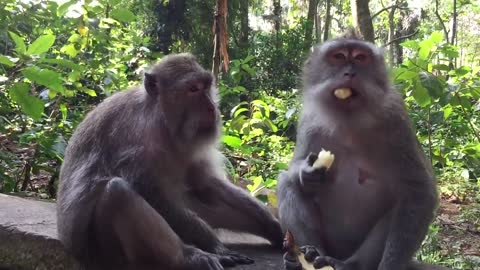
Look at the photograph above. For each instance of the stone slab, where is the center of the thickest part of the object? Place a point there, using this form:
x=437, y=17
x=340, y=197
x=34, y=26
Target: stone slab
x=28, y=239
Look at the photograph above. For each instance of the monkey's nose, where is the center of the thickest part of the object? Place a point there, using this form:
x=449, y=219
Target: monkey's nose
x=349, y=74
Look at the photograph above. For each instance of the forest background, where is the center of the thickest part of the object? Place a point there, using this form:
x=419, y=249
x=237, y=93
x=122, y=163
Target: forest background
x=58, y=59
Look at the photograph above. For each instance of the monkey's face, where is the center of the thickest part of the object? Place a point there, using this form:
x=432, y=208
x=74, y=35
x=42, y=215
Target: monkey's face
x=345, y=78
x=187, y=99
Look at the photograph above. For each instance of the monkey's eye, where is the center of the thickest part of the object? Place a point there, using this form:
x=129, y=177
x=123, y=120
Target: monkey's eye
x=339, y=56
x=194, y=89
x=361, y=57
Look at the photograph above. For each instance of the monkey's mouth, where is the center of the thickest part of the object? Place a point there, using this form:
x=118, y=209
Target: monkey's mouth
x=344, y=93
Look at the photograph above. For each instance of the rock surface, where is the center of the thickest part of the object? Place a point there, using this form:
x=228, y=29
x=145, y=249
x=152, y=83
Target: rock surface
x=28, y=240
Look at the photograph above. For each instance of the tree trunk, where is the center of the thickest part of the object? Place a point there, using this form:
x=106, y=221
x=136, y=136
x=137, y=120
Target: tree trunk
x=454, y=23
x=328, y=19
x=362, y=19
x=244, y=29
x=312, y=12
x=391, y=35
x=221, y=37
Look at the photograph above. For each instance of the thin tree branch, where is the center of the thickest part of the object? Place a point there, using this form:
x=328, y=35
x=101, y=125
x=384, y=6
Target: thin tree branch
x=400, y=38
x=399, y=6
x=445, y=31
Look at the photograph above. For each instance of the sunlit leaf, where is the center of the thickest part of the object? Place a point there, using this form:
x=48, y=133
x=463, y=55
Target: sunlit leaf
x=89, y=92
x=46, y=77
x=69, y=50
x=32, y=106
x=411, y=44
x=41, y=44
x=406, y=75
x=436, y=37
x=447, y=111
x=63, y=109
x=232, y=141
x=20, y=46
x=425, y=49
x=6, y=61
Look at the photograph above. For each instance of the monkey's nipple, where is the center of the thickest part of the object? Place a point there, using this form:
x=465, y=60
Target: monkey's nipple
x=343, y=93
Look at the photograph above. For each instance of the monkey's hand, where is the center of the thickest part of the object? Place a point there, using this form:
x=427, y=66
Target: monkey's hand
x=309, y=258
x=310, y=175
x=230, y=258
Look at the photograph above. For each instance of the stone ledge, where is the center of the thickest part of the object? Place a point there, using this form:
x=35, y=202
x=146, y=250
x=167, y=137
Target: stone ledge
x=28, y=239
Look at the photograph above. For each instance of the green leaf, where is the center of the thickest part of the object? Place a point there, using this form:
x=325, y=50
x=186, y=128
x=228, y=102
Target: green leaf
x=63, y=109
x=63, y=8
x=425, y=48
x=46, y=77
x=462, y=71
x=69, y=50
x=436, y=37
x=421, y=95
x=6, y=61
x=89, y=92
x=406, y=75
x=410, y=44
x=239, y=111
x=248, y=58
x=475, y=92
x=232, y=141
x=41, y=44
x=447, y=111
x=32, y=106
x=270, y=125
x=281, y=165
x=432, y=84
x=441, y=67
x=123, y=15
x=63, y=62
x=248, y=69
x=19, y=43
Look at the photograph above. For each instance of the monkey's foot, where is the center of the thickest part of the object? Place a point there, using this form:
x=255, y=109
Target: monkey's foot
x=198, y=259
x=231, y=258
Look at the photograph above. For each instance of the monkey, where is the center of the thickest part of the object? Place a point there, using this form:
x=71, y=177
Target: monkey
x=142, y=184
x=372, y=208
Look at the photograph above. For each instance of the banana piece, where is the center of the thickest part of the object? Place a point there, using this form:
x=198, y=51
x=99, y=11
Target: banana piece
x=289, y=244
x=343, y=93
x=324, y=159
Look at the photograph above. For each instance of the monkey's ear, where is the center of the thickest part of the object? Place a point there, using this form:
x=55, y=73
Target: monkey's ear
x=150, y=84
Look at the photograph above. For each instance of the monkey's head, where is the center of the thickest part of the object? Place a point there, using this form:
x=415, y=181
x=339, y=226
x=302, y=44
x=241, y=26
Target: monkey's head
x=185, y=95
x=345, y=81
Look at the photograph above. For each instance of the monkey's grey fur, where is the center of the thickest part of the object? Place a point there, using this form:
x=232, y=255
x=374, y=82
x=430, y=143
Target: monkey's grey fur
x=372, y=209
x=142, y=184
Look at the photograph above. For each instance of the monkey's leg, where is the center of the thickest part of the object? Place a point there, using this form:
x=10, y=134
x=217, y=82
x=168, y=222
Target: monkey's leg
x=223, y=205
x=126, y=226
x=296, y=213
x=370, y=252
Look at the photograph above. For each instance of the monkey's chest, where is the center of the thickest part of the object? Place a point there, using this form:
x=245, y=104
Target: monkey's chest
x=351, y=203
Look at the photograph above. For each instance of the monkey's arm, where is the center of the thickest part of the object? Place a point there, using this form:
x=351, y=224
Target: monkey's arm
x=224, y=205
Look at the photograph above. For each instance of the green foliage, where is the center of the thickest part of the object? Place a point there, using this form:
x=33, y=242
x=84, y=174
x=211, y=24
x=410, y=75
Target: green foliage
x=443, y=101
